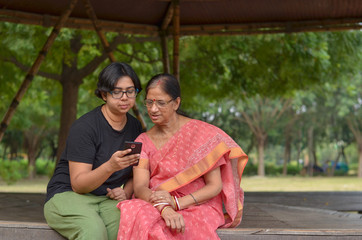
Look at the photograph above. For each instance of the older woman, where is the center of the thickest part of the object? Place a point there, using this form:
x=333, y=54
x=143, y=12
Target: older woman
x=188, y=169
x=93, y=173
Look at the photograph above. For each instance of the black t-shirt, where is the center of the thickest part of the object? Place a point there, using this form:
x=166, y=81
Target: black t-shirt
x=92, y=140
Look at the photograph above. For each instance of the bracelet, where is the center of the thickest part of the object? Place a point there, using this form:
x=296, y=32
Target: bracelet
x=163, y=209
x=174, y=202
x=177, y=204
x=158, y=204
x=194, y=199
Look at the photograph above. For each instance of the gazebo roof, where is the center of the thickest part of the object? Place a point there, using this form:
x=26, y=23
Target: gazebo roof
x=197, y=17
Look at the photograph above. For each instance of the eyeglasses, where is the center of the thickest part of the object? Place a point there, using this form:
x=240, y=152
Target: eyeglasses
x=130, y=93
x=159, y=103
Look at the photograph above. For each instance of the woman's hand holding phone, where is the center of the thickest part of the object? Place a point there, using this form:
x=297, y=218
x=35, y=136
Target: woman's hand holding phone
x=135, y=147
x=123, y=159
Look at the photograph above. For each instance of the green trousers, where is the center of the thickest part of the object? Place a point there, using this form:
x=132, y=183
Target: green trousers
x=83, y=216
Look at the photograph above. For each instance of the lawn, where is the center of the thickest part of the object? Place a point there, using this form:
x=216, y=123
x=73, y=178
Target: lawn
x=295, y=184
x=249, y=184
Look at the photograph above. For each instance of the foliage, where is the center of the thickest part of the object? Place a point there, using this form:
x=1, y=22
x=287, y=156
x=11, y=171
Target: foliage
x=221, y=78
x=12, y=171
x=271, y=169
x=45, y=167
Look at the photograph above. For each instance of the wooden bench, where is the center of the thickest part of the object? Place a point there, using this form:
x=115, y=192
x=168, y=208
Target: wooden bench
x=267, y=215
x=10, y=230
x=30, y=230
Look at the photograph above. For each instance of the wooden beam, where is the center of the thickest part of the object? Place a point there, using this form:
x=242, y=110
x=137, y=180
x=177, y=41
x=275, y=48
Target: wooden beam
x=168, y=17
x=191, y=30
x=35, y=67
x=165, y=54
x=271, y=30
x=92, y=15
x=164, y=40
x=176, y=38
x=271, y=27
x=77, y=23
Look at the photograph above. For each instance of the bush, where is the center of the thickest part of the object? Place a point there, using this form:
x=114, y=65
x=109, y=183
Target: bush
x=44, y=167
x=250, y=170
x=12, y=171
x=293, y=169
x=272, y=169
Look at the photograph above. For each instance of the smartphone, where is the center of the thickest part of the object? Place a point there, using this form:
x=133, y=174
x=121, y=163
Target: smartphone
x=134, y=146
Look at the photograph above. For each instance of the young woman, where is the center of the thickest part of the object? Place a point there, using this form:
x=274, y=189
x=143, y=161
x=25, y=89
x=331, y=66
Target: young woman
x=188, y=169
x=94, y=174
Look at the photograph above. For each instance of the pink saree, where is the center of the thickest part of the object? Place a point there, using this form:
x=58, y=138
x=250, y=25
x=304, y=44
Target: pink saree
x=178, y=167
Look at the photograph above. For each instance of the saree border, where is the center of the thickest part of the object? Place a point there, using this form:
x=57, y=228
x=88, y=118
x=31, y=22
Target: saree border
x=204, y=165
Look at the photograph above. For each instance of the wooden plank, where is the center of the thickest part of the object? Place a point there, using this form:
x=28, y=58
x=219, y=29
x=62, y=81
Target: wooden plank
x=292, y=234
x=338, y=201
x=26, y=230
x=266, y=216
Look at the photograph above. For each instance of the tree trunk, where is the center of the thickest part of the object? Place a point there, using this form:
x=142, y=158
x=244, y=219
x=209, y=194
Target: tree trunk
x=355, y=127
x=71, y=79
x=31, y=161
x=69, y=111
x=310, y=150
x=261, y=144
x=32, y=140
x=299, y=147
x=359, y=146
x=4, y=152
x=287, y=149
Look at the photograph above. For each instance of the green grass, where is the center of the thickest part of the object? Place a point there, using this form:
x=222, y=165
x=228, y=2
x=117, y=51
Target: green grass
x=37, y=185
x=295, y=184
x=249, y=184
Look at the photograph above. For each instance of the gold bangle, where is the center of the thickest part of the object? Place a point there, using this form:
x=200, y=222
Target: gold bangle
x=163, y=209
x=194, y=199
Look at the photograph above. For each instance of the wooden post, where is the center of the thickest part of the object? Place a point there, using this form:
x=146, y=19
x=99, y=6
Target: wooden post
x=93, y=17
x=163, y=36
x=35, y=67
x=165, y=55
x=176, y=38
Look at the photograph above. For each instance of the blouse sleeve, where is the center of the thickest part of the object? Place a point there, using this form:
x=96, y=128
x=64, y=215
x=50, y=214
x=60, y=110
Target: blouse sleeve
x=144, y=159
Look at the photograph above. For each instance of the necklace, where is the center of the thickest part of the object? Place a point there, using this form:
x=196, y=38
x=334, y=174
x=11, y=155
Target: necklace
x=122, y=121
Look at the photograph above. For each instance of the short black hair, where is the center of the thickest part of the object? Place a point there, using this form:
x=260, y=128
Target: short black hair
x=109, y=76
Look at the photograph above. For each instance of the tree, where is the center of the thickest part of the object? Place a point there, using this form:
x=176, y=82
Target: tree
x=75, y=55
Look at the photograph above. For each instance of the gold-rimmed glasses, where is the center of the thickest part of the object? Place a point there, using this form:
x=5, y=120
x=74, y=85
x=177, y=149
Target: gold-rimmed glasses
x=159, y=103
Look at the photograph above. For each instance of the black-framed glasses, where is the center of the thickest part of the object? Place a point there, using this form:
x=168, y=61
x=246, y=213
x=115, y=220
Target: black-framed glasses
x=130, y=93
x=159, y=103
